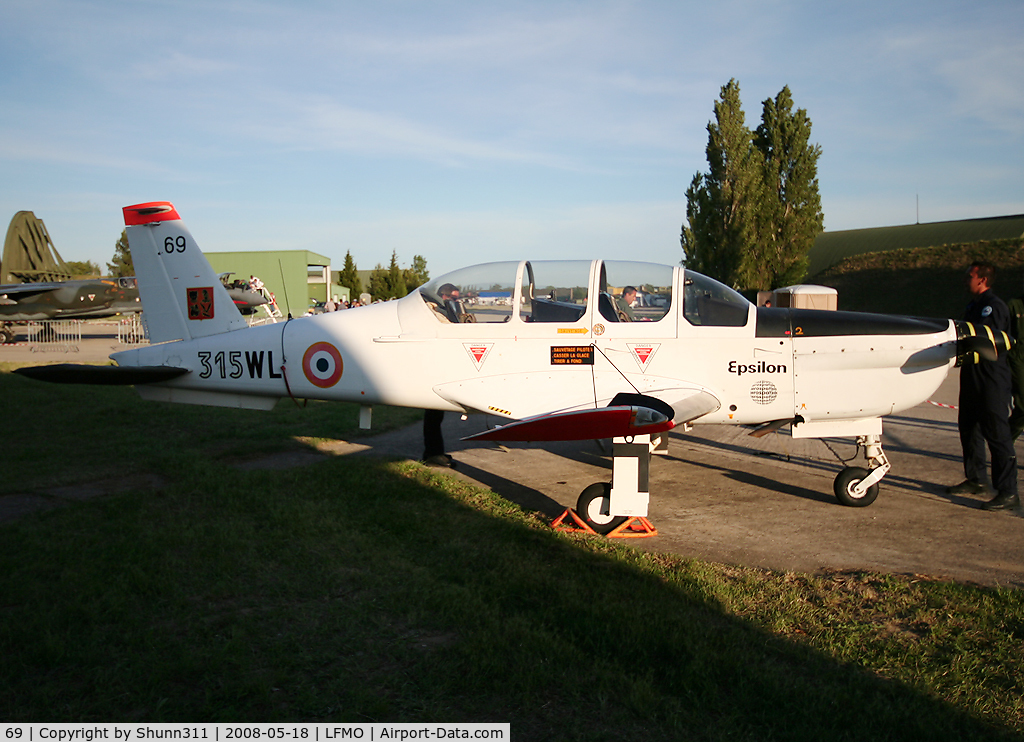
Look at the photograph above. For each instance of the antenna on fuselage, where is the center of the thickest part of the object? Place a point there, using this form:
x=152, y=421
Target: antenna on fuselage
x=280, y=268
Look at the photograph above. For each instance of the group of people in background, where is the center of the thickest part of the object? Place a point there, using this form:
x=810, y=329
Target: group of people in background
x=333, y=304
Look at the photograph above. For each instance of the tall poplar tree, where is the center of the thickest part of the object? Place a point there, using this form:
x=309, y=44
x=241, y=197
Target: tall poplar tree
x=753, y=217
x=721, y=204
x=791, y=211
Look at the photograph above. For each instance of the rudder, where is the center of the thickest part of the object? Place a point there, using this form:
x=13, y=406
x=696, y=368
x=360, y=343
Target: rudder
x=182, y=297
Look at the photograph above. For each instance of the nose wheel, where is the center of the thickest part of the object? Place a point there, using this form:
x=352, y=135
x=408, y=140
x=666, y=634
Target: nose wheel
x=857, y=487
x=849, y=489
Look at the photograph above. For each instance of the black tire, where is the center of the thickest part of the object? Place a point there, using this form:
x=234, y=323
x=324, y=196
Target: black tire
x=6, y=336
x=846, y=480
x=592, y=507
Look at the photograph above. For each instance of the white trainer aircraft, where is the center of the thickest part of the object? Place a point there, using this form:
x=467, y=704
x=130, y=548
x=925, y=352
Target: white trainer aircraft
x=551, y=349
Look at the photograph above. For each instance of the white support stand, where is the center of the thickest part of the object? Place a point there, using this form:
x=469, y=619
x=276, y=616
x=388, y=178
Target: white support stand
x=365, y=416
x=631, y=467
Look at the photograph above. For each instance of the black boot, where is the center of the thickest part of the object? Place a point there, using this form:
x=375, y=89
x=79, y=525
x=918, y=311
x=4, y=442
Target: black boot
x=1003, y=501
x=968, y=487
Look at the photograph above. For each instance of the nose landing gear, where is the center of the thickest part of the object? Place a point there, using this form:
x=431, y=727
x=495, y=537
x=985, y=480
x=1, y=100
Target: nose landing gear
x=856, y=486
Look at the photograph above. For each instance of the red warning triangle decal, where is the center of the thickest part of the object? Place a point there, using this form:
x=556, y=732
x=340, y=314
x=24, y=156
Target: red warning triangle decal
x=478, y=352
x=643, y=352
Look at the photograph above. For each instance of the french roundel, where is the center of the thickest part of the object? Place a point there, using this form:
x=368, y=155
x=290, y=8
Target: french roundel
x=322, y=365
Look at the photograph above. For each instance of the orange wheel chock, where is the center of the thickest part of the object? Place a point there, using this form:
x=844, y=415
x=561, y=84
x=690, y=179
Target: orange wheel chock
x=635, y=527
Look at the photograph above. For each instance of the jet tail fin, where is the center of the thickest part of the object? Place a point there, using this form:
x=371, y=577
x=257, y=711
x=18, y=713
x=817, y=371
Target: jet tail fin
x=182, y=297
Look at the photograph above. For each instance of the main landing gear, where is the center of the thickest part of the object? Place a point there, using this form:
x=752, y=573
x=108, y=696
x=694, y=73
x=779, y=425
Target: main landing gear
x=608, y=508
x=856, y=486
x=594, y=507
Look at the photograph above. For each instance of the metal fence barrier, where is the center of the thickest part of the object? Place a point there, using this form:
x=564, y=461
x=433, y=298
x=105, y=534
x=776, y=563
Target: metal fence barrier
x=55, y=335
x=132, y=331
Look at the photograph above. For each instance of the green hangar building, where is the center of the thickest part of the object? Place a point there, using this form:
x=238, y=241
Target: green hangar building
x=296, y=278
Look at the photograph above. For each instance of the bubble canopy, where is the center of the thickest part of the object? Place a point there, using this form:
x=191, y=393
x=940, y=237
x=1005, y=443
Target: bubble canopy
x=562, y=290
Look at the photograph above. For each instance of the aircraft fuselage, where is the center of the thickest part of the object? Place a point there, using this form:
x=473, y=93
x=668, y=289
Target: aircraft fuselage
x=760, y=364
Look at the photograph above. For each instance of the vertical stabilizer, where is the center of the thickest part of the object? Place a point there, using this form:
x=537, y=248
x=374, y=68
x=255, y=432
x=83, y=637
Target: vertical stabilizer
x=29, y=254
x=182, y=298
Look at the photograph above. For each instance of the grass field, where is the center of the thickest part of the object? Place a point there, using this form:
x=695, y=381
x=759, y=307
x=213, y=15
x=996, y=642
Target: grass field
x=365, y=590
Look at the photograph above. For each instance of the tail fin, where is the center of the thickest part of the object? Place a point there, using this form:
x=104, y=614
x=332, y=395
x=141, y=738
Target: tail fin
x=182, y=298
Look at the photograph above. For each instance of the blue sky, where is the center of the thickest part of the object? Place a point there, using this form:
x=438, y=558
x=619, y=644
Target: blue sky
x=475, y=131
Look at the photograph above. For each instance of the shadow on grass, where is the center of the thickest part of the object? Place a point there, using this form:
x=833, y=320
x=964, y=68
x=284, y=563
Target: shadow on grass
x=356, y=590
x=67, y=434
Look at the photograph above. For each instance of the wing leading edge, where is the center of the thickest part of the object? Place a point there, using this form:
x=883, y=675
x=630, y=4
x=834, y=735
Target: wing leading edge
x=617, y=420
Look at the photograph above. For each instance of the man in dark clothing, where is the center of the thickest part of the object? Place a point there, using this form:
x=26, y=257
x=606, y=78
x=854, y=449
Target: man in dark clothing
x=433, y=440
x=985, y=401
x=1016, y=358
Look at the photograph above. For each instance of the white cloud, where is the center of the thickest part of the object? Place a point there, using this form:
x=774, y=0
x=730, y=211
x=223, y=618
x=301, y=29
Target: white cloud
x=635, y=231
x=317, y=123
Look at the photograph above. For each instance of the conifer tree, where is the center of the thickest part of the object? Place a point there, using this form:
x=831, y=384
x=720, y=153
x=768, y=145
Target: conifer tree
x=121, y=264
x=395, y=279
x=83, y=269
x=417, y=274
x=753, y=217
x=722, y=203
x=349, y=277
x=379, y=283
x=791, y=212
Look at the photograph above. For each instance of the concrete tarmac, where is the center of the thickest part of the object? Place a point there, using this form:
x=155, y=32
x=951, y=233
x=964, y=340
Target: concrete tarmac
x=722, y=496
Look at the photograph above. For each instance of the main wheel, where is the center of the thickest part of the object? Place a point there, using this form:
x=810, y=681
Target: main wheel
x=849, y=478
x=593, y=507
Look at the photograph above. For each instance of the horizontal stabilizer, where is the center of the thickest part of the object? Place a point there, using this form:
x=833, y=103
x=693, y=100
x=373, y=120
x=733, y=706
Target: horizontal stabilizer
x=606, y=422
x=178, y=395
x=80, y=373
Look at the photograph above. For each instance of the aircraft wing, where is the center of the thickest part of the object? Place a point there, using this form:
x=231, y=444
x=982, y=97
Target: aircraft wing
x=638, y=415
x=605, y=422
x=21, y=302
x=12, y=291
x=694, y=406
